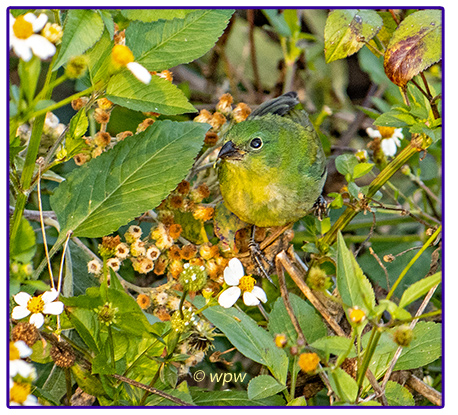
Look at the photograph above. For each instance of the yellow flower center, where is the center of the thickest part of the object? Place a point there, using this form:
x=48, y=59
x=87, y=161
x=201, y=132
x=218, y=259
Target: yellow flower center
x=22, y=28
x=386, y=132
x=19, y=392
x=35, y=305
x=14, y=352
x=308, y=362
x=357, y=315
x=122, y=55
x=246, y=283
x=52, y=32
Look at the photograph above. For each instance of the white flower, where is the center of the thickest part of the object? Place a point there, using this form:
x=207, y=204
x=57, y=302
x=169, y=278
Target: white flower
x=122, y=250
x=391, y=138
x=20, y=394
x=20, y=350
x=234, y=275
x=114, y=264
x=94, y=266
x=123, y=56
x=37, y=306
x=24, y=40
x=162, y=298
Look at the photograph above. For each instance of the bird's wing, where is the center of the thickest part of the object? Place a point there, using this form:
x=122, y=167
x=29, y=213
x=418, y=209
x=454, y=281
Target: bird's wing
x=279, y=106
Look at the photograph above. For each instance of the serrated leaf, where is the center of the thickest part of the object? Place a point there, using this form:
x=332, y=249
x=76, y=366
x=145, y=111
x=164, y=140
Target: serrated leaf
x=354, y=288
x=133, y=177
x=419, y=288
x=159, y=95
x=82, y=28
x=166, y=43
x=398, y=395
x=397, y=117
x=425, y=347
x=263, y=386
x=249, y=339
x=152, y=15
x=415, y=46
x=346, y=32
x=77, y=128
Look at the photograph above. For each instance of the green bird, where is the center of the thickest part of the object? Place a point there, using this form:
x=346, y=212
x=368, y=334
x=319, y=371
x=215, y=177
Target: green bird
x=273, y=166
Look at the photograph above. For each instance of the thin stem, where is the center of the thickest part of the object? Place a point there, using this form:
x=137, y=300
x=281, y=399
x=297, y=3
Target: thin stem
x=43, y=232
x=413, y=260
x=110, y=340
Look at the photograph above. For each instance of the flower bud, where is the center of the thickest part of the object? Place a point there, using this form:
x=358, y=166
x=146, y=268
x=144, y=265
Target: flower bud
x=193, y=278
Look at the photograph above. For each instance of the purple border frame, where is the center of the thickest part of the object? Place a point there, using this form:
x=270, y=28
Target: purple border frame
x=232, y=407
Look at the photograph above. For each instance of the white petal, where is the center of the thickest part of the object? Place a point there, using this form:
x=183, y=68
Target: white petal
x=24, y=350
x=389, y=147
x=39, y=22
x=373, y=133
x=30, y=17
x=22, y=299
x=53, y=308
x=41, y=46
x=37, y=320
x=19, y=312
x=22, y=50
x=398, y=133
x=259, y=293
x=49, y=296
x=250, y=299
x=229, y=297
x=21, y=367
x=233, y=272
x=140, y=72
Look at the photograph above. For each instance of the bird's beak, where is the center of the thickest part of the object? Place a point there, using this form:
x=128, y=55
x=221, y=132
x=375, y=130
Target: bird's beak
x=230, y=151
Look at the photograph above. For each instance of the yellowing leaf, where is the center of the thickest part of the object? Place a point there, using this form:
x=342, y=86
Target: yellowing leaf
x=347, y=31
x=414, y=47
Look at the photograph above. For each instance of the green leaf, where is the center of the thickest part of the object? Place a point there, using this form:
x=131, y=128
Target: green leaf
x=82, y=28
x=346, y=163
x=152, y=15
x=343, y=385
x=278, y=22
x=334, y=345
x=159, y=95
x=397, y=117
x=310, y=321
x=425, y=347
x=107, y=21
x=419, y=288
x=232, y=398
x=346, y=32
x=263, y=386
x=362, y=169
x=300, y=401
x=86, y=324
x=77, y=128
x=398, y=395
x=250, y=339
x=354, y=288
x=29, y=73
x=415, y=46
x=136, y=175
x=166, y=43
x=87, y=381
x=23, y=246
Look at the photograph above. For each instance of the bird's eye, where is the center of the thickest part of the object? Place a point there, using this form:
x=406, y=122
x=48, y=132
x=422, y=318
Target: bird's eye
x=256, y=143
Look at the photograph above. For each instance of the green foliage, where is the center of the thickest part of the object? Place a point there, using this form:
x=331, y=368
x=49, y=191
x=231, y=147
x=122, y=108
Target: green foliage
x=130, y=219
x=130, y=186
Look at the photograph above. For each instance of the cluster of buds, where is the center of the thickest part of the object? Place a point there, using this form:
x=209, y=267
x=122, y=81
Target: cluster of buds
x=20, y=271
x=224, y=111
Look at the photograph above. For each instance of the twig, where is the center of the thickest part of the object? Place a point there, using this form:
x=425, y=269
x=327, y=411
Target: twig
x=298, y=279
x=285, y=296
x=151, y=390
x=371, y=232
x=371, y=251
x=379, y=394
x=425, y=390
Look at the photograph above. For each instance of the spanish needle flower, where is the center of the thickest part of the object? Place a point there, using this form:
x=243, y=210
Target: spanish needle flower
x=240, y=284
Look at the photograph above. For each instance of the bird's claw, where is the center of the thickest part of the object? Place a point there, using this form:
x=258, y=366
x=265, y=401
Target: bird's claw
x=258, y=257
x=320, y=208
